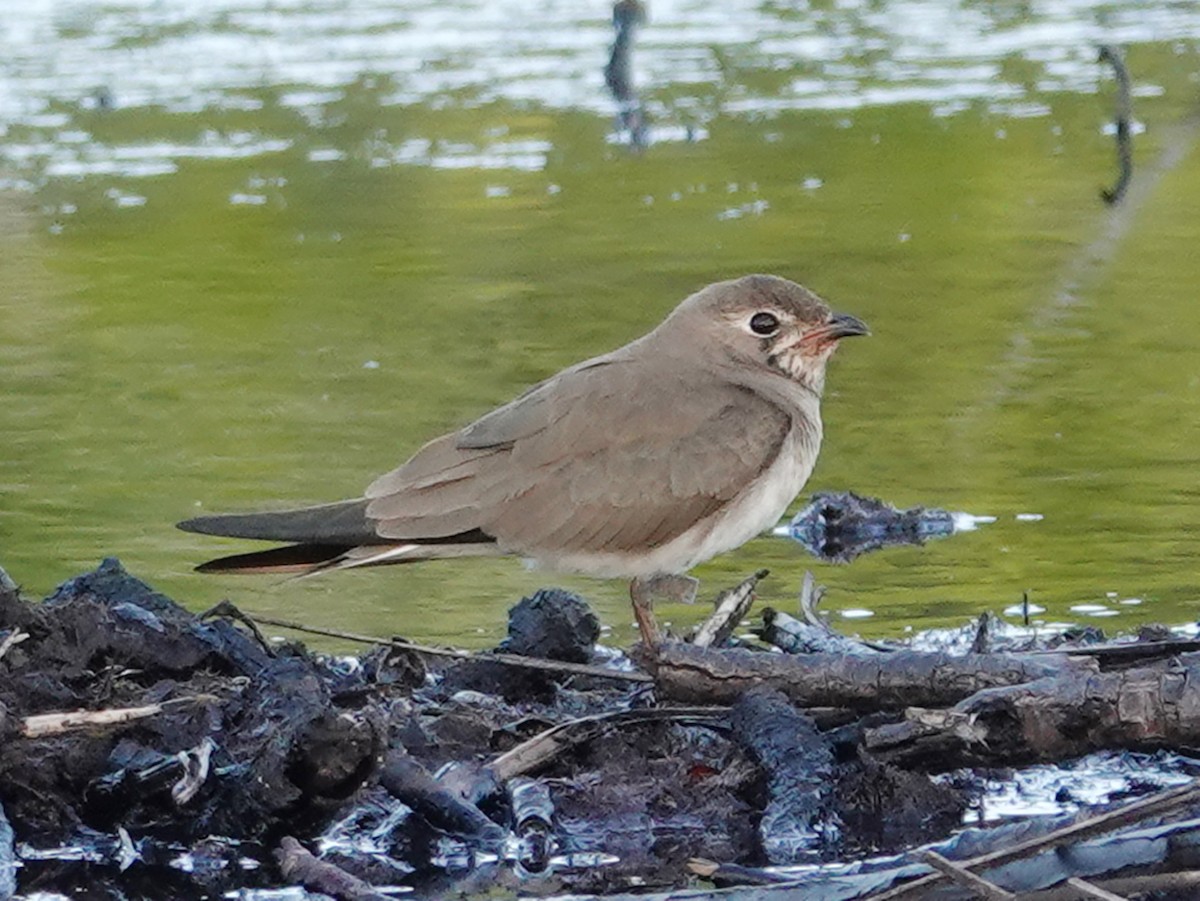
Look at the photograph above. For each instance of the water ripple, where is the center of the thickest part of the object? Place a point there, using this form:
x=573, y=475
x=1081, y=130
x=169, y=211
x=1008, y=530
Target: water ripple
x=59, y=56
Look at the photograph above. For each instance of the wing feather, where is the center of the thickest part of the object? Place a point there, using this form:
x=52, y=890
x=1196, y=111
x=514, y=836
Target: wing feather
x=592, y=461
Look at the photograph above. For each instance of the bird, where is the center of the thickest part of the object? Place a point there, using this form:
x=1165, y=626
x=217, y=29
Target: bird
x=638, y=464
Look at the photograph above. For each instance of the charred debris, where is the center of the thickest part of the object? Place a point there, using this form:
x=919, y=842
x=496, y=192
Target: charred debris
x=149, y=752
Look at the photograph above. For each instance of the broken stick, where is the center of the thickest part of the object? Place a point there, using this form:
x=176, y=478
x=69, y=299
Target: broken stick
x=732, y=605
x=43, y=725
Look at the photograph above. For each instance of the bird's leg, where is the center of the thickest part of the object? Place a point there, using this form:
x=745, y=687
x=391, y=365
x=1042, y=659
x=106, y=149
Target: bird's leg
x=643, y=590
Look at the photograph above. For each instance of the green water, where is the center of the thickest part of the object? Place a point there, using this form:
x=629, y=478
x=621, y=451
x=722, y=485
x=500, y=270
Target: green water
x=191, y=354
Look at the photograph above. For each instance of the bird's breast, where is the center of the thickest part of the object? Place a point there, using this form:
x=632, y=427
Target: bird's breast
x=755, y=509
x=760, y=506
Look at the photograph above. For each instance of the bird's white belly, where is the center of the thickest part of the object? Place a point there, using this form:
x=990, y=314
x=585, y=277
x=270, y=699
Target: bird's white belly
x=751, y=513
x=755, y=510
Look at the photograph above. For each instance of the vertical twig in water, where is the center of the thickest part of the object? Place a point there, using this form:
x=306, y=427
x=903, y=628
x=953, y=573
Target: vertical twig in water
x=1112, y=56
x=618, y=75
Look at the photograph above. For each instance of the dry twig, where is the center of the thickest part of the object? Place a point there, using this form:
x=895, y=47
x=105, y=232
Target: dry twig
x=44, y=725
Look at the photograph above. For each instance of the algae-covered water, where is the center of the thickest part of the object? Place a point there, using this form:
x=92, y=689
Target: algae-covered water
x=254, y=253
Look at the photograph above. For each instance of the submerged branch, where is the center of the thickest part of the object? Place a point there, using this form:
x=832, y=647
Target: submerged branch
x=1123, y=120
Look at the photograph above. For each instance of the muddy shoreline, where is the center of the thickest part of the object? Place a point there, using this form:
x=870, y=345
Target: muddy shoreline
x=147, y=749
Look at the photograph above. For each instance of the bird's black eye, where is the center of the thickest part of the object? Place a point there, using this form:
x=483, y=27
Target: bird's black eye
x=764, y=324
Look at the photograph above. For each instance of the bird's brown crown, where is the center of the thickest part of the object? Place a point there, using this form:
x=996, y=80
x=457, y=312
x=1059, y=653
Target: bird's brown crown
x=730, y=299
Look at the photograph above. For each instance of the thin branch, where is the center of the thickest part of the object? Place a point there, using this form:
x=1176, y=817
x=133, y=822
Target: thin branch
x=551, y=666
x=230, y=610
x=958, y=873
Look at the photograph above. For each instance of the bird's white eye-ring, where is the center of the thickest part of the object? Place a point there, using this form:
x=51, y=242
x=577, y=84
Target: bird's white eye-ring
x=764, y=324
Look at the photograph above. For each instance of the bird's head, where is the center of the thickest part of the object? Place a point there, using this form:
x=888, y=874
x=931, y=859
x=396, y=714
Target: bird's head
x=770, y=323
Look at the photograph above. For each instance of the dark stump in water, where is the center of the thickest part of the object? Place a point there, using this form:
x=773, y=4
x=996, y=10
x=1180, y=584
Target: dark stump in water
x=839, y=526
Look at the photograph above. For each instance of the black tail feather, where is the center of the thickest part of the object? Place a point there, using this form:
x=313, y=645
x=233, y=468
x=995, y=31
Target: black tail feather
x=298, y=558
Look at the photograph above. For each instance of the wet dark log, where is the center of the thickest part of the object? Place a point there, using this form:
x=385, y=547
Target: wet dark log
x=1015, y=863
x=798, y=763
x=1052, y=719
x=297, y=864
x=408, y=781
x=884, y=681
x=136, y=771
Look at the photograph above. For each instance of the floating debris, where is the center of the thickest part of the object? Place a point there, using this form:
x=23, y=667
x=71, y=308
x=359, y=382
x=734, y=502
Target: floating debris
x=839, y=526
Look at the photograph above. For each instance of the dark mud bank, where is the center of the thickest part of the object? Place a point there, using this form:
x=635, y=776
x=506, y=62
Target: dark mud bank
x=150, y=752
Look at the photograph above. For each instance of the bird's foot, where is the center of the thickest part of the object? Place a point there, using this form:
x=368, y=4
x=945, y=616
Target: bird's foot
x=642, y=591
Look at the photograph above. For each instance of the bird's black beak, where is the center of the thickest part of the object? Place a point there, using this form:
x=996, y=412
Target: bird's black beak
x=843, y=325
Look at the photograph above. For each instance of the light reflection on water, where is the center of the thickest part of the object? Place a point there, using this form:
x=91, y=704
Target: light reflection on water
x=308, y=236
x=199, y=57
